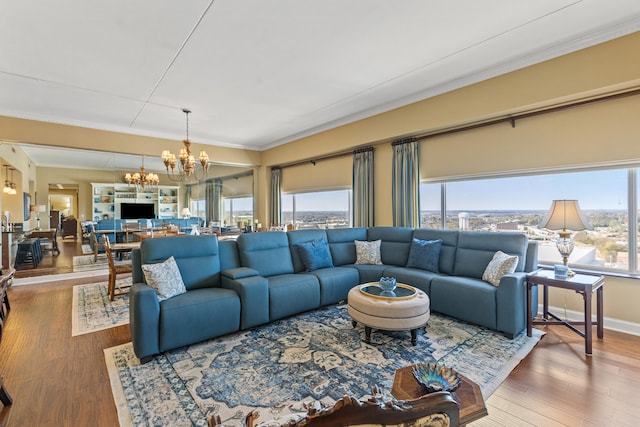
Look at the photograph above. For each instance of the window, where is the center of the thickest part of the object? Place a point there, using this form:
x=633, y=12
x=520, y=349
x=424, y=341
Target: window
x=320, y=209
x=238, y=211
x=519, y=203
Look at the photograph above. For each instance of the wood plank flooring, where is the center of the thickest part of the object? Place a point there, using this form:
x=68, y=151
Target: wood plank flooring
x=57, y=380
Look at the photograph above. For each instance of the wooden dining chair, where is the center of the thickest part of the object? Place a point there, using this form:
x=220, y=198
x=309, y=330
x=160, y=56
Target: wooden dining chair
x=114, y=270
x=96, y=245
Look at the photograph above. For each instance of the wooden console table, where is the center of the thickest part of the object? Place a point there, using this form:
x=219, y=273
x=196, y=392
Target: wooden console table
x=468, y=394
x=584, y=284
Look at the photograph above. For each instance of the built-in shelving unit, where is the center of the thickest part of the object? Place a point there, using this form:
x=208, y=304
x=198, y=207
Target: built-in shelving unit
x=106, y=199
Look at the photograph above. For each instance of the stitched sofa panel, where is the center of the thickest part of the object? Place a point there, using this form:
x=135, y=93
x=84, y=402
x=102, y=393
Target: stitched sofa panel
x=369, y=272
x=335, y=283
x=343, y=250
x=418, y=278
x=197, y=258
x=291, y=294
x=476, y=249
x=447, y=249
x=254, y=295
x=228, y=251
x=396, y=242
x=302, y=236
x=198, y=315
x=465, y=298
x=268, y=252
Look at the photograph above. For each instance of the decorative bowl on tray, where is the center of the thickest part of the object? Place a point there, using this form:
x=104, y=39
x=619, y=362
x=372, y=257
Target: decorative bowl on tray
x=436, y=378
x=388, y=284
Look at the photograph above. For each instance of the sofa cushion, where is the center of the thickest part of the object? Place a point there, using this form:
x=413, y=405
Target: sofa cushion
x=268, y=252
x=465, y=298
x=500, y=265
x=165, y=278
x=424, y=254
x=297, y=237
x=335, y=283
x=315, y=254
x=197, y=258
x=198, y=315
x=396, y=242
x=476, y=249
x=291, y=294
x=447, y=248
x=341, y=243
x=368, y=252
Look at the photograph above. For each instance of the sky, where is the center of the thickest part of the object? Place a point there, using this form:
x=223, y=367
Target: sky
x=602, y=189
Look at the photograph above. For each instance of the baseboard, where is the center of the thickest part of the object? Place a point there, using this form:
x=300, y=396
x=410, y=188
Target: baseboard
x=58, y=277
x=609, y=323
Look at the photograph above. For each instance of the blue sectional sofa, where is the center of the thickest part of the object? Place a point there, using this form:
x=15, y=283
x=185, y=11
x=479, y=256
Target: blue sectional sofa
x=262, y=277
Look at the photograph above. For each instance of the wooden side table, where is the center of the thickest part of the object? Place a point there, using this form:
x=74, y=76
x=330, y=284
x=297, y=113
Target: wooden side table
x=584, y=284
x=468, y=394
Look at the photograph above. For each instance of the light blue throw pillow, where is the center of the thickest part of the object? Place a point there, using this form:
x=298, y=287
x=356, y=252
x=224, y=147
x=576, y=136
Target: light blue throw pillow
x=425, y=254
x=315, y=254
x=165, y=278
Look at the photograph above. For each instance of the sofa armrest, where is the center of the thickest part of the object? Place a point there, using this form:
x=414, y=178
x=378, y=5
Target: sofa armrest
x=512, y=304
x=239, y=273
x=254, y=298
x=144, y=320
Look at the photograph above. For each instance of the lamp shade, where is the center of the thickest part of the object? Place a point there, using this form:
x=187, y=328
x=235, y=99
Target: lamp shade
x=565, y=215
x=186, y=212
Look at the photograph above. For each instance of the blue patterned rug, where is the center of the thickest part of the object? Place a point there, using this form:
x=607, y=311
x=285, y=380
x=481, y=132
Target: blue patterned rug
x=93, y=311
x=283, y=366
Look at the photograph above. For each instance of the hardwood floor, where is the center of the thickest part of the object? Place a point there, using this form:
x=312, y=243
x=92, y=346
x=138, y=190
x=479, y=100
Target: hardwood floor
x=59, y=380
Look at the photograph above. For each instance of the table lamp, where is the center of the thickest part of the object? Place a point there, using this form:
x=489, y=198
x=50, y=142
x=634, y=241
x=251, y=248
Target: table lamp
x=186, y=213
x=565, y=215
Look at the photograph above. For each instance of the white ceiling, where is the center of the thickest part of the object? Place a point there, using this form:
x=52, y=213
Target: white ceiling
x=260, y=73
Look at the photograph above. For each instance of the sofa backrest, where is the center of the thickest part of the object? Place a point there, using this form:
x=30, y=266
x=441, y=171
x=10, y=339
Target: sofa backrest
x=300, y=236
x=198, y=258
x=343, y=250
x=396, y=242
x=476, y=249
x=447, y=249
x=267, y=252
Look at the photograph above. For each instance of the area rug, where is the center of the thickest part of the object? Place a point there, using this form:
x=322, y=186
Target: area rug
x=316, y=356
x=87, y=262
x=93, y=311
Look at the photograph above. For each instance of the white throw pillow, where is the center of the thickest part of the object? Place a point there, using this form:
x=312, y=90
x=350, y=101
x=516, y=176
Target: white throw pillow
x=500, y=265
x=165, y=278
x=368, y=252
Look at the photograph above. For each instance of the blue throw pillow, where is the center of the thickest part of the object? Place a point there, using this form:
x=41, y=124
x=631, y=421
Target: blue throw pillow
x=315, y=254
x=424, y=254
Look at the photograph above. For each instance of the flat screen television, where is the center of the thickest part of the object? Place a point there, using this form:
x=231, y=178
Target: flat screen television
x=137, y=210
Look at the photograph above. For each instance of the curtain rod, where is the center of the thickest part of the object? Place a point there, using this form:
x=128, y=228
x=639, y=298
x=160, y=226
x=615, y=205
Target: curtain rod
x=512, y=118
x=471, y=126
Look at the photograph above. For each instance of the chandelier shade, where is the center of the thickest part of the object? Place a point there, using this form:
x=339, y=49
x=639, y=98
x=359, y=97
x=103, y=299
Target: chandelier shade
x=185, y=167
x=142, y=179
x=9, y=185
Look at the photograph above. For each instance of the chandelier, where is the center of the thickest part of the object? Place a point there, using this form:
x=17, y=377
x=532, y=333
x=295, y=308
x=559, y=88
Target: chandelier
x=187, y=167
x=142, y=179
x=9, y=185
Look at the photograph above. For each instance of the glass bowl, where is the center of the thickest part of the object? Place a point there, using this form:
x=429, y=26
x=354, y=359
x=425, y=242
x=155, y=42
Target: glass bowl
x=436, y=378
x=388, y=284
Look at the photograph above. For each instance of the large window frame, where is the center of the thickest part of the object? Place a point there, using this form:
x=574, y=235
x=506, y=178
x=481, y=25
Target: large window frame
x=436, y=186
x=293, y=204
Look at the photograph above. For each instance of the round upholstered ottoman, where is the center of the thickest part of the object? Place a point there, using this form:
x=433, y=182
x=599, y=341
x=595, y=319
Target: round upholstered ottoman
x=405, y=309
